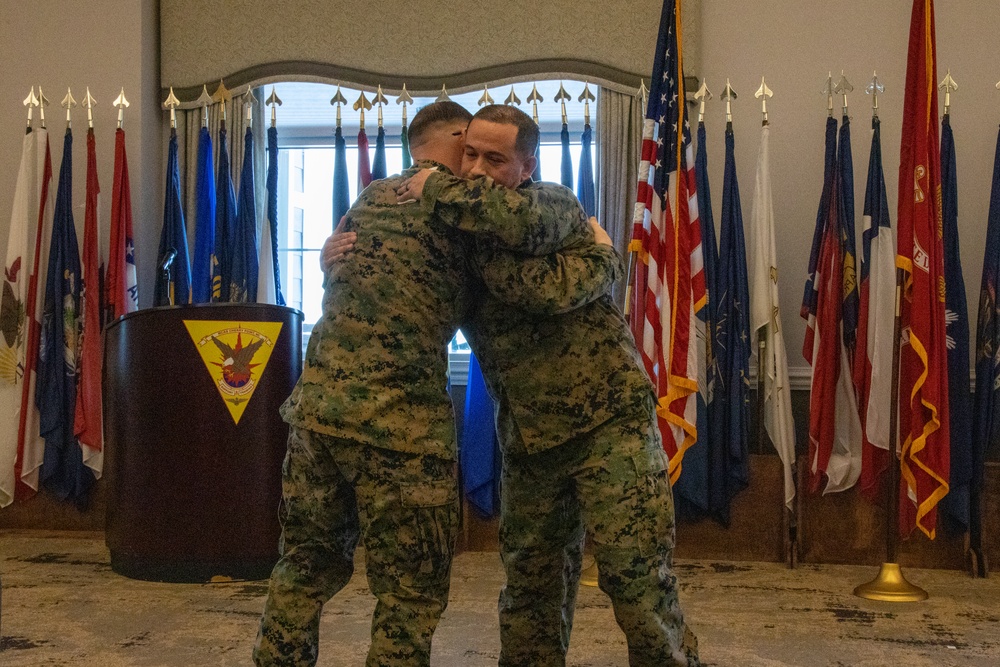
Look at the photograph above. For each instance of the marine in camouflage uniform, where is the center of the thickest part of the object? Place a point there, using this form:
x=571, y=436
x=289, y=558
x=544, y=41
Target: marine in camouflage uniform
x=577, y=424
x=371, y=450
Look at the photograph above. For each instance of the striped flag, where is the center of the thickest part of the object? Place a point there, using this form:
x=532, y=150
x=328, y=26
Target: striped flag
x=834, y=422
x=122, y=289
x=877, y=313
x=845, y=183
x=956, y=503
x=765, y=321
x=269, y=282
x=16, y=312
x=670, y=278
x=205, y=264
x=88, y=424
x=923, y=356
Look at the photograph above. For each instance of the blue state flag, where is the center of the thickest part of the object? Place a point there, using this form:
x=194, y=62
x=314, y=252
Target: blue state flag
x=566, y=176
x=986, y=412
x=810, y=296
x=378, y=164
x=585, y=181
x=225, y=222
x=243, y=249
x=956, y=503
x=63, y=472
x=404, y=140
x=204, y=263
x=846, y=193
x=478, y=446
x=341, y=187
x=173, y=269
x=269, y=287
x=691, y=490
x=730, y=427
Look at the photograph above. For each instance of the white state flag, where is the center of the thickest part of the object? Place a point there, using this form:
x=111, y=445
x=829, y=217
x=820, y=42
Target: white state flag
x=266, y=292
x=765, y=322
x=13, y=332
x=881, y=323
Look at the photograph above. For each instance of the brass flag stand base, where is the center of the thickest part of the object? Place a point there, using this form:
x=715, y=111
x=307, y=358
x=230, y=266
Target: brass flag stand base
x=890, y=586
x=589, y=575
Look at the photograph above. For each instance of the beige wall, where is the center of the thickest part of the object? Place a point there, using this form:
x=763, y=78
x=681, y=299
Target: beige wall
x=795, y=44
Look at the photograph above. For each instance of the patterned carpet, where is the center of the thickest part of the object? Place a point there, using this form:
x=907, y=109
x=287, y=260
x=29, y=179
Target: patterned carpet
x=62, y=605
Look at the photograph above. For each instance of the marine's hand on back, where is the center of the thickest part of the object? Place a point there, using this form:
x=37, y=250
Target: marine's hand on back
x=600, y=236
x=337, y=246
x=413, y=188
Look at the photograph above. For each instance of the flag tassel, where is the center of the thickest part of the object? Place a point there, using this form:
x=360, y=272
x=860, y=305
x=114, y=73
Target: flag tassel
x=890, y=585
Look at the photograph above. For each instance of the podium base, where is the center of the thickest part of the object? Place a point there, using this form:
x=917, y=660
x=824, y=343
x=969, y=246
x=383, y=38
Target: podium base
x=190, y=572
x=890, y=586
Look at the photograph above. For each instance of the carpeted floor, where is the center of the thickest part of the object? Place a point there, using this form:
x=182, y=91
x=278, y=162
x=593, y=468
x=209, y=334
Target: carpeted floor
x=62, y=605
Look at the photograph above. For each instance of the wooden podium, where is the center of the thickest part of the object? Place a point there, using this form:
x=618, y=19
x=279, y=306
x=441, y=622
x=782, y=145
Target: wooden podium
x=194, y=441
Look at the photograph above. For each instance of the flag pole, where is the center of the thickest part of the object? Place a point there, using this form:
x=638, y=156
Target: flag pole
x=630, y=273
x=890, y=585
x=788, y=522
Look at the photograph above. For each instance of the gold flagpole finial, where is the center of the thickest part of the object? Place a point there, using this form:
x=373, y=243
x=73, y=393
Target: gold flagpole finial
x=512, y=99
x=204, y=100
x=362, y=104
x=404, y=99
x=561, y=97
x=947, y=85
x=843, y=87
x=762, y=94
x=337, y=100
x=121, y=104
x=31, y=102
x=728, y=94
x=703, y=95
x=42, y=103
x=380, y=100
x=535, y=99
x=586, y=97
x=222, y=96
x=172, y=103
x=486, y=98
x=643, y=95
x=88, y=103
x=248, y=101
x=828, y=91
x=68, y=103
x=875, y=88
x=274, y=102
x=443, y=97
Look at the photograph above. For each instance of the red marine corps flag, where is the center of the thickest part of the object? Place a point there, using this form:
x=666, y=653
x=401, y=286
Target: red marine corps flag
x=666, y=235
x=923, y=355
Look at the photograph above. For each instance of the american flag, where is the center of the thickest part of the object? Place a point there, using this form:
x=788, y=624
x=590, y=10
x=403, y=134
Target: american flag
x=666, y=235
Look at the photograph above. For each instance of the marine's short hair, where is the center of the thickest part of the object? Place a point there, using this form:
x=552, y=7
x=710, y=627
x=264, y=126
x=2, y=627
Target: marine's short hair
x=526, y=142
x=432, y=115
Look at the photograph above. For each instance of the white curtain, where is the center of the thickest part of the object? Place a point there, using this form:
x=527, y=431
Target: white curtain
x=618, y=138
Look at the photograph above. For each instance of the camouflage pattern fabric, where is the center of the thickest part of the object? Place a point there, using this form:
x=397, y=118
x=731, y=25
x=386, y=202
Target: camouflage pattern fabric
x=404, y=507
x=613, y=480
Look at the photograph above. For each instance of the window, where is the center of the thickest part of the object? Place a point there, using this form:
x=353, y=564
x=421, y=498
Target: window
x=306, y=158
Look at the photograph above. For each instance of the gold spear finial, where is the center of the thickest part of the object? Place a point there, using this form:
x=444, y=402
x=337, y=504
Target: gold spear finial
x=380, y=100
x=204, y=100
x=68, y=103
x=702, y=96
x=486, y=98
x=535, y=99
x=843, y=87
x=31, y=102
x=512, y=99
x=948, y=84
x=404, y=99
x=362, y=104
x=728, y=94
x=337, y=100
x=443, y=97
x=875, y=88
x=762, y=94
x=88, y=103
x=274, y=102
x=586, y=97
x=121, y=104
x=221, y=96
x=172, y=103
x=562, y=96
x=42, y=103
